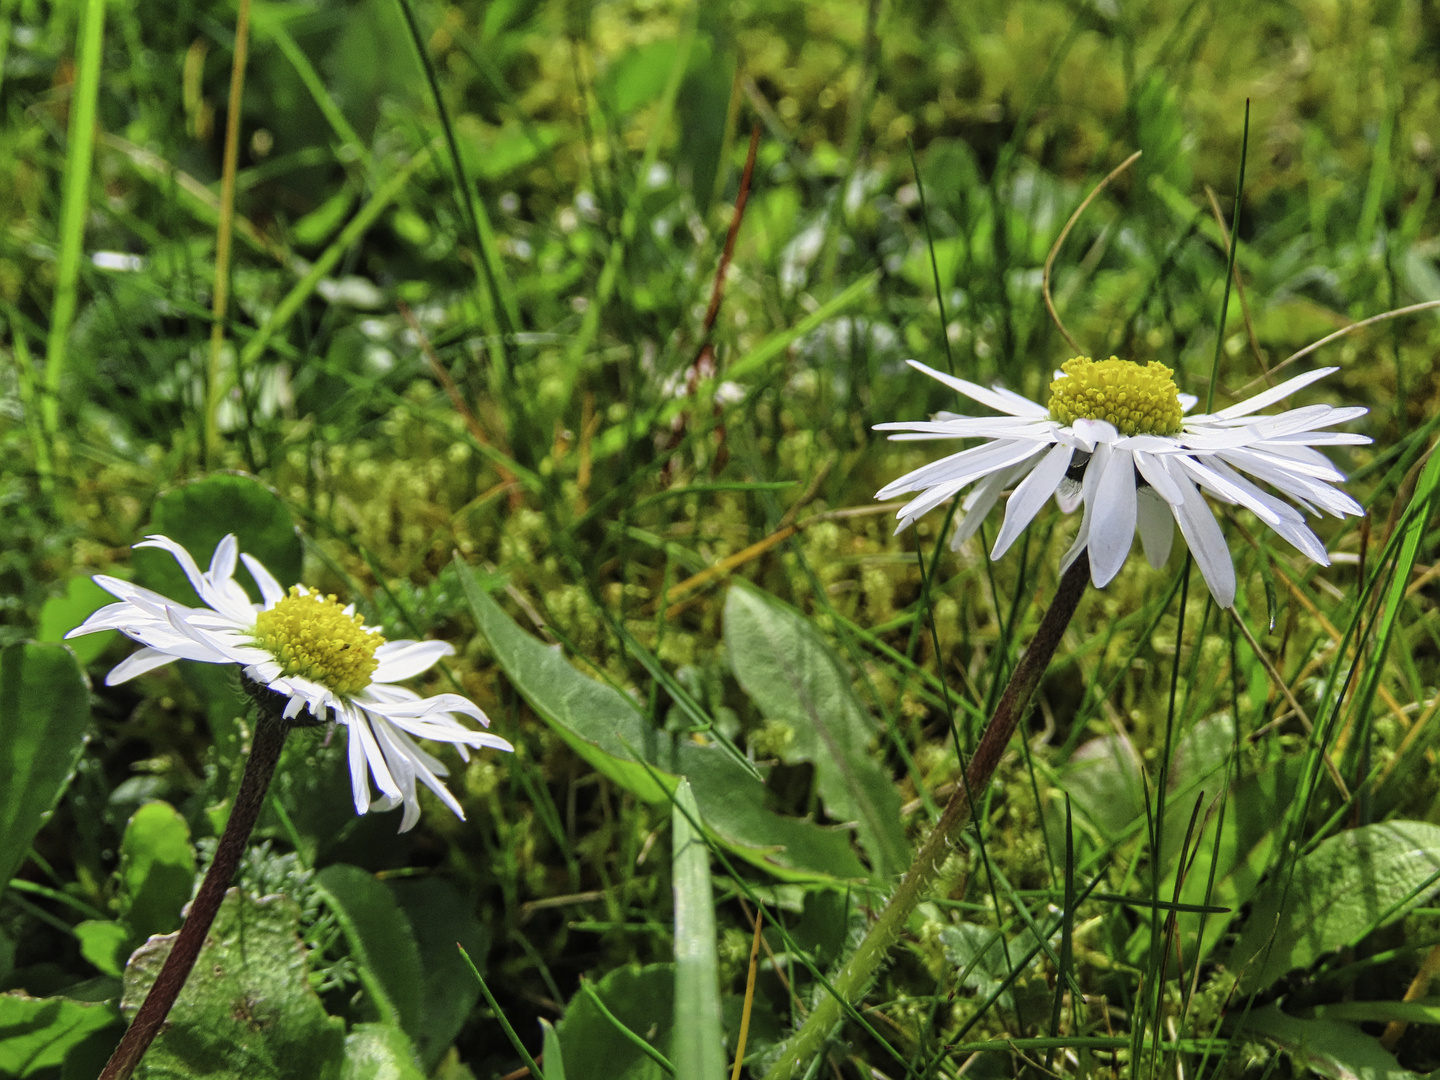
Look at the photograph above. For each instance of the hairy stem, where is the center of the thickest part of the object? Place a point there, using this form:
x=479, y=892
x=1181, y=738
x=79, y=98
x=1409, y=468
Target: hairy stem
x=265, y=750
x=866, y=960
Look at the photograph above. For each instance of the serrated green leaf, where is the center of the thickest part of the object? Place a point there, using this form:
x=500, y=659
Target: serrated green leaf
x=37, y=1033
x=61, y=614
x=1346, y=887
x=381, y=941
x=105, y=943
x=198, y=515
x=640, y=998
x=1329, y=1047
x=699, y=1049
x=248, y=1013
x=379, y=1052
x=157, y=869
x=440, y=917
x=44, y=711
x=789, y=671
x=604, y=727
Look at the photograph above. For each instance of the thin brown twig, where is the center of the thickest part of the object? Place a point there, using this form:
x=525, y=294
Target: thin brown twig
x=1328, y=338
x=718, y=292
x=1239, y=286
x=1059, y=240
x=220, y=298
x=749, y=998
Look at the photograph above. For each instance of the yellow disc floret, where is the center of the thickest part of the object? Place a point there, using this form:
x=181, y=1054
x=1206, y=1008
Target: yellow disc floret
x=313, y=637
x=1137, y=400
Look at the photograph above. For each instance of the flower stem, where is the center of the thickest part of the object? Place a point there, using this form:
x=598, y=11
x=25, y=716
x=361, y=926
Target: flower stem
x=265, y=750
x=863, y=963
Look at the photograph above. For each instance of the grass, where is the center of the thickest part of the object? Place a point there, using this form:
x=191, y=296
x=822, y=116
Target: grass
x=468, y=296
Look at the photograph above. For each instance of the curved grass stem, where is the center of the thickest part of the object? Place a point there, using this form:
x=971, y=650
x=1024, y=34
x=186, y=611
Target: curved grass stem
x=925, y=870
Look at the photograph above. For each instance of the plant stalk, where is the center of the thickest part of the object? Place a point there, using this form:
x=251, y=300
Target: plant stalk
x=270, y=732
x=923, y=872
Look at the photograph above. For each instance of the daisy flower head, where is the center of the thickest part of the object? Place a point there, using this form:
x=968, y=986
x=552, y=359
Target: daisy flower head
x=307, y=659
x=1117, y=439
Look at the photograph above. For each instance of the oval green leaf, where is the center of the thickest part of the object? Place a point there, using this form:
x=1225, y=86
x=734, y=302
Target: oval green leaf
x=44, y=711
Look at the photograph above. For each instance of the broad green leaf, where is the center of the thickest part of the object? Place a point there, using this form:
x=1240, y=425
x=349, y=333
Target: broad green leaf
x=440, y=917
x=105, y=944
x=253, y=1014
x=554, y=1057
x=379, y=1052
x=381, y=941
x=61, y=614
x=44, y=710
x=787, y=669
x=198, y=515
x=638, y=76
x=157, y=869
x=1418, y=1011
x=640, y=998
x=699, y=1049
x=1346, y=887
x=37, y=1033
x=1103, y=780
x=607, y=730
x=1329, y=1047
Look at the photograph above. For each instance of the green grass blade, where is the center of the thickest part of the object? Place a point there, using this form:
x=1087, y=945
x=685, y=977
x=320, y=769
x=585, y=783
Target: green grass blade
x=648, y=1050
x=699, y=1047
x=75, y=202
x=328, y=260
x=504, y=1023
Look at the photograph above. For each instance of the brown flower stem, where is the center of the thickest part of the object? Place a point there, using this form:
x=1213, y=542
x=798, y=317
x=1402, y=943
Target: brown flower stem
x=925, y=870
x=270, y=732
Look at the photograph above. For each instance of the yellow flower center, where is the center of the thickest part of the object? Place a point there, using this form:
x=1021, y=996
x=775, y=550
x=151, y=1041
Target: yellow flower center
x=312, y=637
x=1137, y=400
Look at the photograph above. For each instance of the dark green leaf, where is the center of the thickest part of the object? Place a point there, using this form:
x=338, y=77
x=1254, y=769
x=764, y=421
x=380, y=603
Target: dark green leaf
x=374, y=1051
x=607, y=730
x=61, y=614
x=640, y=998
x=1329, y=1047
x=440, y=917
x=381, y=941
x=44, y=710
x=37, y=1033
x=105, y=944
x=252, y=1014
x=157, y=869
x=699, y=1049
x=198, y=515
x=1347, y=886
x=785, y=666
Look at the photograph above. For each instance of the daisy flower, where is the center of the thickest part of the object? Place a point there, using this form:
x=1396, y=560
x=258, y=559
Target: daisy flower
x=1116, y=438
x=316, y=655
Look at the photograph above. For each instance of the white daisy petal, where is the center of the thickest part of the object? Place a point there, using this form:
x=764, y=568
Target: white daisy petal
x=1269, y=397
x=270, y=591
x=1205, y=540
x=1027, y=499
x=977, y=507
x=406, y=659
x=1012, y=404
x=1130, y=479
x=383, y=719
x=1156, y=525
x=1112, y=528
